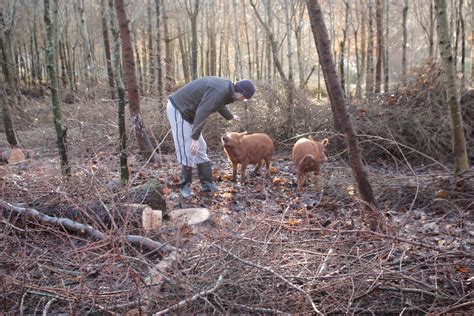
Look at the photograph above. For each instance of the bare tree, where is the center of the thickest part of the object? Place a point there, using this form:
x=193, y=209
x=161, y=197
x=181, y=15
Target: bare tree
x=7, y=69
x=10, y=66
x=342, y=47
x=146, y=149
x=236, y=31
x=380, y=44
x=124, y=171
x=192, y=8
x=51, y=49
x=427, y=23
x=108, y=60
x=159, y=67
x=386, y=55
x=333, y=86
x=404, y=41
x=88, y=58
x=369, y=82
x=472, y=42
x=461, y=162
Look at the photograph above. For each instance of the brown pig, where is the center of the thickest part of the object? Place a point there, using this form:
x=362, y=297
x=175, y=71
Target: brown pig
x=244, y=149
x=308, y=155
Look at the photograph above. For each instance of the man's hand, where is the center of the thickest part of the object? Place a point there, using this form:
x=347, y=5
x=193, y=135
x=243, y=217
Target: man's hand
x=194, y=147
x=236, y=118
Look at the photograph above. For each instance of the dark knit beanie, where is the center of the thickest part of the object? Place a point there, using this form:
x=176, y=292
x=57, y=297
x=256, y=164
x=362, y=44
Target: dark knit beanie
x=245, y=87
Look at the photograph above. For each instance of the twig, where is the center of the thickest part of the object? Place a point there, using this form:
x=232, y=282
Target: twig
x=270, y=311
x=192, y=299
x=455, y=307
x=47, y=306
x=308, y=297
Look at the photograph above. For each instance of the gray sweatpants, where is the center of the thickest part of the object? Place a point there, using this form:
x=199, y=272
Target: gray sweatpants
x=182, y=132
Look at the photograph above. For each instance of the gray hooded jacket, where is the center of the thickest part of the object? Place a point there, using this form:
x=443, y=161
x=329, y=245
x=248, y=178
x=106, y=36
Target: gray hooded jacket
x=202, y=97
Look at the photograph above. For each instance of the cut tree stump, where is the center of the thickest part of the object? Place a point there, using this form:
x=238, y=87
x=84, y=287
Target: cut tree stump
x=191, y=216
x=151, y=219
x=150, y=193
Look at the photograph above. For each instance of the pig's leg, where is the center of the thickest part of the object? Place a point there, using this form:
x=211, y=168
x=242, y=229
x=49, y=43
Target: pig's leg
x=257, y=168
x=267, y=164
x=234, y=171
x=243, y=169
x=299, y=181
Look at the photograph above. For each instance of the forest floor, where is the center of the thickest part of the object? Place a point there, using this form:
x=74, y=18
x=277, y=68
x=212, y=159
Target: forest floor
x=269, y=249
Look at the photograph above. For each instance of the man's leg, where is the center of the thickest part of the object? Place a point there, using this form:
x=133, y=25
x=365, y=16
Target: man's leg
x=204, y=168
x=181, y=131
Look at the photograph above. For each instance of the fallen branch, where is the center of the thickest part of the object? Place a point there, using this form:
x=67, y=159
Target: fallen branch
x=135, y=240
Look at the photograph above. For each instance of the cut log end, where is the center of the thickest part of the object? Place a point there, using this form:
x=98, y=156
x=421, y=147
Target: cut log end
x=191, y=216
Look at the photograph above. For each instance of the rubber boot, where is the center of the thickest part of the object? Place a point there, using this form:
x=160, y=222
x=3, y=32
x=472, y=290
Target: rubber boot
x=186, y=179
x=205, y=176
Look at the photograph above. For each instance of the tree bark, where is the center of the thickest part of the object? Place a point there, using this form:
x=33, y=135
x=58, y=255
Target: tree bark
x=7, y=119
x=124, y=171
x=193, y=9
x=159, y=67
x=146, y=149
x=404, y=42
x=342, y=48
x=472, y=42
x=380, y=45
x=386, y=55
x=363, y=46
x=51, y=45
x=238, y=55
x=108, y=59
x=322, y=42
x=369, y=82
x=10, y=64
x=461, y=162
x=88, y=62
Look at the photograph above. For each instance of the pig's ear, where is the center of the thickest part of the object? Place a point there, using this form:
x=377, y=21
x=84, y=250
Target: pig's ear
x=325, y=142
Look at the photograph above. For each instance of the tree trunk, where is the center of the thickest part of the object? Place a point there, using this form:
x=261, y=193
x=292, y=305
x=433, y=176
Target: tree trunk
x=472, y=42
x=380, y=42
x=193, y=13
x=7, y=120
x=461, y=162
x=211, y=33
x=322, y=42
x=124, y=171
x=150, y=76
x=169, y=69
x=405, y=41
x=291, y=84
x=247, y=38
x=10, y=63
x=342, y=47
x=108, y=60
x=89, y=67
x=369, y=82
x=238, y=56
x=300, y=7
x=386, y=56
x=363, y=34
x=146, y=149
x=159, y=66
x=184, y=57
x=51, y=45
